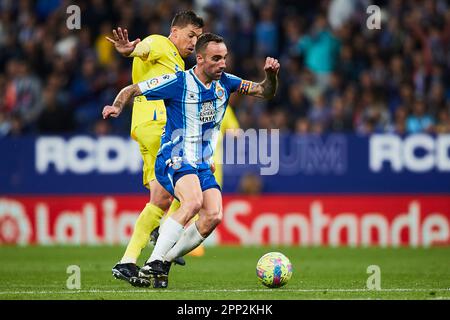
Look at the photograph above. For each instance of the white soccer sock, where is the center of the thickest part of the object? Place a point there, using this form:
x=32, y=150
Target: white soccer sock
x=169, y=234
x=128, y=260
x=189, y=240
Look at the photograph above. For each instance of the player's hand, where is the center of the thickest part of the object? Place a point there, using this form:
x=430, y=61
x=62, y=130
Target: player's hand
x=121, y=42
x=213, y=167
x=272, y=66
x=111, y=111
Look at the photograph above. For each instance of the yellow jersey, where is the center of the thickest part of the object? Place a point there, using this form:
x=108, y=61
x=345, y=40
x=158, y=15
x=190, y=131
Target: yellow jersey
x=229, y=122
x=154, y=56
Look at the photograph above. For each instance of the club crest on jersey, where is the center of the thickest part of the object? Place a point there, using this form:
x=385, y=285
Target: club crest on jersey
x=176, y=163
x=207, y=113
x=220, y=92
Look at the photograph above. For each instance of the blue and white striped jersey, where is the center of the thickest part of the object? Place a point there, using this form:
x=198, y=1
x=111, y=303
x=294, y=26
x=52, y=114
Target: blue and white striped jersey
x=194, y=113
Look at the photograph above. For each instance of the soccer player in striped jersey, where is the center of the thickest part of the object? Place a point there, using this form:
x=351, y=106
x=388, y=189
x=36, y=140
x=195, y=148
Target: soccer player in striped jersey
x=195, y=101
x=154, y=56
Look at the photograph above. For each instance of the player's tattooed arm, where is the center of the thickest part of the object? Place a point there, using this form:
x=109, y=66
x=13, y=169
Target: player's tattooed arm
x=125, y=95
x=268, y=87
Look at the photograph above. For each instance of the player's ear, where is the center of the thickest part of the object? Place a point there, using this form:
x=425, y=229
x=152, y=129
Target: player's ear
x=199, y=57
x=174, y=31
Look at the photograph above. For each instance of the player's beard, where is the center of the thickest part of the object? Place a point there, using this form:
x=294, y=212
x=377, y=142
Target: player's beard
x=216, y=75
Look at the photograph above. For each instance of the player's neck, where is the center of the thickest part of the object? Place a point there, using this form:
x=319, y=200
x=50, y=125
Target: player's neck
x=202, y=77
x=171, y=38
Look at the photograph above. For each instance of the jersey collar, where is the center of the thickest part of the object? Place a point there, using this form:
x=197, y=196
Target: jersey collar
x=174, y=47
x=212, y=85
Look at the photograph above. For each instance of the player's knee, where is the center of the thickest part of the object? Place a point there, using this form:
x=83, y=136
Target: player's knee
x=213, y=217
x=162, y=201
x=216, y=217
x=192, y=206
x=159, y=196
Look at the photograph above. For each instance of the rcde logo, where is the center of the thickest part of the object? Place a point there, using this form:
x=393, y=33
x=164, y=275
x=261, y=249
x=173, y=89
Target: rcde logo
x=83, y=155
x=416, y=153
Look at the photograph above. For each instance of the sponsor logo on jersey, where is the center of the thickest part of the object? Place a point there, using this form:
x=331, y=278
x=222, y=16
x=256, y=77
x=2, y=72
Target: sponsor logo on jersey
x=207, y=113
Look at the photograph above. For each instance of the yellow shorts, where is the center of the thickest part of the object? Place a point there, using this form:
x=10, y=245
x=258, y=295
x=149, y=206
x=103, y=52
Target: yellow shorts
x=148, y=136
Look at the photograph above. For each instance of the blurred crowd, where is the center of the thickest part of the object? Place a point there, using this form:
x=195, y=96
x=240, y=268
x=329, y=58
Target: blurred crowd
x=337, y=74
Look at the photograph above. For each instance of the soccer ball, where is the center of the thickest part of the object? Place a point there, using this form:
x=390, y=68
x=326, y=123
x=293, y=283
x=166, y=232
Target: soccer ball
x=274, y=269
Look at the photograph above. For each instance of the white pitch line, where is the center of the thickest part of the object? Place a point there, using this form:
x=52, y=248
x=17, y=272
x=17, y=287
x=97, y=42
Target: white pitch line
x=221, y=290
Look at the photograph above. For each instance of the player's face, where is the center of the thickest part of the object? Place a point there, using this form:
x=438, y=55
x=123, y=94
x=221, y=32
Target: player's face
x=186, y=38
x=213, y=60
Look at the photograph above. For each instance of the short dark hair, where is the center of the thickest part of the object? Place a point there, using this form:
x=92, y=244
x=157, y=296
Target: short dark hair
x=183, y=18
x=206, y=38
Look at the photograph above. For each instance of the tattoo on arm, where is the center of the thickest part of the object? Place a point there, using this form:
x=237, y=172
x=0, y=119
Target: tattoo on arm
x=118, y=103
x=125, y=95
x=269, y=86
x=265, y=89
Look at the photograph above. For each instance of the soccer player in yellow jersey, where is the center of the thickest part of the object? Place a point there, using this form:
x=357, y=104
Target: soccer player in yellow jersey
x=154, y=56
x=231, y=123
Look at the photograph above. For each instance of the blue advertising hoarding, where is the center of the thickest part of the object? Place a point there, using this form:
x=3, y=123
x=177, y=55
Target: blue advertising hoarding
x=381, y=163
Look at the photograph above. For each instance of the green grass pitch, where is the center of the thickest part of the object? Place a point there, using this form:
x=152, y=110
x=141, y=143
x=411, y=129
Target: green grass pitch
x=229, y=273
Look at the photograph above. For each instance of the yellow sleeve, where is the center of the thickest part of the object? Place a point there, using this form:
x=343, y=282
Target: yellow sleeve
x=147, y=49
